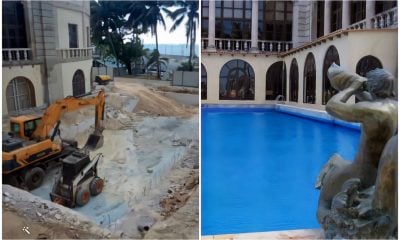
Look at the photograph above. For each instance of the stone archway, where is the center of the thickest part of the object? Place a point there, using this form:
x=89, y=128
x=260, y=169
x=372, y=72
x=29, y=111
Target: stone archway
x=309, y=80
x=331, y=56
x=20, y=94
x=203, y=82
x=276, y=81
x=78, y=83
x=236, y=81
x=294, y=81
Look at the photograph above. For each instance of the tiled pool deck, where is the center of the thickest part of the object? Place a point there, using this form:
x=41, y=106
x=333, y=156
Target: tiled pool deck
x=286, y=234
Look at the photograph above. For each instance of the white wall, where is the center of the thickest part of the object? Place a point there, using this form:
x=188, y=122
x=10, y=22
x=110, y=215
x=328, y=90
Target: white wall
x=65, y=17
x=31, y=72
x=351, y=47
x=67, y=71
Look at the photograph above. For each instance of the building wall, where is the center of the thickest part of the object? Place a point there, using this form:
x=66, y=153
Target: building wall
x=31, y=72
x=67, y=16
x=67, y=71
x=351, y=48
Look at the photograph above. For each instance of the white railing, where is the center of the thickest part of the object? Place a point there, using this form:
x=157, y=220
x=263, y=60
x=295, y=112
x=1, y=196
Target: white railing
x=75, y=53
x=358, y=25
x=16, y=54
x=245, y=45
x=274, y=46
x=387, y=19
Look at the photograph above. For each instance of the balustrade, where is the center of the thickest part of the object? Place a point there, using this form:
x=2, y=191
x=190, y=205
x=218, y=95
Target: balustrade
x=17, y=54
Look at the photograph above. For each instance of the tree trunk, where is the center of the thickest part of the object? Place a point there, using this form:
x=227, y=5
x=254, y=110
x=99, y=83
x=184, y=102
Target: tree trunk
x=158, y=54
x=113, y=49
x=128, y=66
x=190, y=49
x=193, y=43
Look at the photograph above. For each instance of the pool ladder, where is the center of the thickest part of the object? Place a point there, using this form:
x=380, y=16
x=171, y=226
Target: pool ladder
x=280, y=98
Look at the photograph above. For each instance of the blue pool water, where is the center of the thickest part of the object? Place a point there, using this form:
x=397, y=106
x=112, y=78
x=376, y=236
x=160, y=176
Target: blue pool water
x=259, y=169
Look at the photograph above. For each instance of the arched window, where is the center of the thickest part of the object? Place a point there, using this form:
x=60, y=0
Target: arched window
x=236, y=81
x=309, y=80
x=276, y=81
x=331, y=56
x=294, y=81
x=203, y=82
x=20, y=94
x=78, y=83
x=367, y=64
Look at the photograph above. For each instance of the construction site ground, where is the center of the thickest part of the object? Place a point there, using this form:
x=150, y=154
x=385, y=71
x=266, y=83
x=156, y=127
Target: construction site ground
x=150, y=169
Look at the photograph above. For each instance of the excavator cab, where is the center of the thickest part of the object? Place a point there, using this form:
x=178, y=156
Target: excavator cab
x=24, y=126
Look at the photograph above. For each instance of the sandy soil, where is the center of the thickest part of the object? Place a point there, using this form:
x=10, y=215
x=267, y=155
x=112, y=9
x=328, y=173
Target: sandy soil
x=150, y=166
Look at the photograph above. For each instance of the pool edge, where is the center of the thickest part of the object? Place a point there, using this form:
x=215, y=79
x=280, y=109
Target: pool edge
x=314, y=114
x=314, y=233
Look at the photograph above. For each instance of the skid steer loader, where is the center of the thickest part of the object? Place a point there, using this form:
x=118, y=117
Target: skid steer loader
x=78, y=180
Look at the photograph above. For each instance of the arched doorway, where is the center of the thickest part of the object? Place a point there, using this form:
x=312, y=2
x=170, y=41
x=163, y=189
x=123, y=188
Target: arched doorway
x=294, y=81
x=78, y=83
x=309, y=80
x=20, y=94
x=367, y=64
x=276, y=81
x=331, y=56
x=203, y=82
x=236, y=81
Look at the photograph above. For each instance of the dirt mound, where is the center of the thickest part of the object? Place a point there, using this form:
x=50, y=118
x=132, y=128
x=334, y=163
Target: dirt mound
x=42, y=218
x=153, y=102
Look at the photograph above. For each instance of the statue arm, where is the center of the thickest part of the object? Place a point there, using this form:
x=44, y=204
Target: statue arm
x=338, y=107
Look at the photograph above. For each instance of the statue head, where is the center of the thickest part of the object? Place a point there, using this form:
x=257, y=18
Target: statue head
x=380, y=83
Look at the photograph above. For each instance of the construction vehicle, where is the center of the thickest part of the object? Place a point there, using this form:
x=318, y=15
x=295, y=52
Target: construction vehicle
x=102, y=79
x=77, y=181
x=30, y=146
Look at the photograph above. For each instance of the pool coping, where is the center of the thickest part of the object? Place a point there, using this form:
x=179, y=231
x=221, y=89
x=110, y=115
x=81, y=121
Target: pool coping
x=314, y=114
x=283, y=234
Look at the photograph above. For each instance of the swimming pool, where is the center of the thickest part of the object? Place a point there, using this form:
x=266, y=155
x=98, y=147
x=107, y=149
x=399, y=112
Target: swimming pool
x=259, y=168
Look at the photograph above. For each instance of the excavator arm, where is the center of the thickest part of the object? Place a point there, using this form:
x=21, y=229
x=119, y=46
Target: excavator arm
x=54, y=112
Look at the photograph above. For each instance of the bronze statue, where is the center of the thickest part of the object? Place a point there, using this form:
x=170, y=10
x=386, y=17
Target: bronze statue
x=349, y=190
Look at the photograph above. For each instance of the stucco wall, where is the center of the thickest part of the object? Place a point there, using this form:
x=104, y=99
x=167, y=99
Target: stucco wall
x=65, y=17
x=351, y=48
x=31, y=72
x=67, y=71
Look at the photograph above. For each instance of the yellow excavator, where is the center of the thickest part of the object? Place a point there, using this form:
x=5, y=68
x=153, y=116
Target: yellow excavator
x=30, y=146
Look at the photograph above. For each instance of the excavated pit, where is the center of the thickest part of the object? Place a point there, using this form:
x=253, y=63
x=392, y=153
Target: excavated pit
x=150, y=154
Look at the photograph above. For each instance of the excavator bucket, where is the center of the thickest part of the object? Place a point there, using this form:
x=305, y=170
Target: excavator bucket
x=94, y=141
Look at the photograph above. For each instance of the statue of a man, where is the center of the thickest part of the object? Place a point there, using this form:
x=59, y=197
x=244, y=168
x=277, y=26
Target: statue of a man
x=377, y=113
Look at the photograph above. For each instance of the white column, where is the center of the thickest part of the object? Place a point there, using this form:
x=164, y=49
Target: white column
x=254, y=26
x=369, y=13
x=211, y=26
x=345, y=14
x=327, y=17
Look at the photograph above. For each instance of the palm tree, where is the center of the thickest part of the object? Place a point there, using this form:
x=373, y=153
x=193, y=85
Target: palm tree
x=187, y=10
x=147, y=15
x=106, y=20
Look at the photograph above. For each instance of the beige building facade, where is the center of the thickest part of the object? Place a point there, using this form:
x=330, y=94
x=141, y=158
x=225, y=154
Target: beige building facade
x=47, y=53
x=290, y=65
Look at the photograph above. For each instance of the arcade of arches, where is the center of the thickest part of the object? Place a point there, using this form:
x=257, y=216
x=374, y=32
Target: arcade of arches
x=236, y=79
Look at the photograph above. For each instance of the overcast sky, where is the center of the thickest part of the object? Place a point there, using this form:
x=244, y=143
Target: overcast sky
x=165, y=37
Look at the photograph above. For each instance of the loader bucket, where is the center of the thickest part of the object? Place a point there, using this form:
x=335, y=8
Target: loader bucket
x=94, y=141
